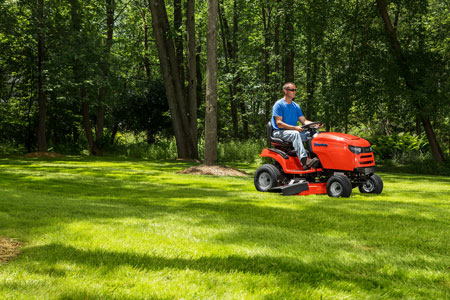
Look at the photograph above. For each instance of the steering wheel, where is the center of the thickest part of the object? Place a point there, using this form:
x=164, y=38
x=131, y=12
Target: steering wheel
x=311, y=125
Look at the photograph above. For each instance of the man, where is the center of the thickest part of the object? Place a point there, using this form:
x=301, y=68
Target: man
x=286, y=113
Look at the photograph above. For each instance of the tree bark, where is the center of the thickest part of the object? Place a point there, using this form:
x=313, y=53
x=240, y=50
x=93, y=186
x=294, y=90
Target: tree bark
x=99, y=125
x=236, y=74
x=42, y=140
x=186, y=142
x=145, y=58
x=289, y=42
x=266, y=13
x=200, y=95
x=115, y=129
x=177, y=22
x=192, y=71
x=409, y=81
x=87, y=126
x=309, y=84
x=211, y=85
x=100, y=120
x=276, y=44
x=229, y=57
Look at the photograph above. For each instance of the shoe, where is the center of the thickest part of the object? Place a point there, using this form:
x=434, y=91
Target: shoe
x=309, y=163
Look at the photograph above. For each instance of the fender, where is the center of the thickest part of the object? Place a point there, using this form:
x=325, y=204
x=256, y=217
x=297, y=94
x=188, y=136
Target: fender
x=290, y=164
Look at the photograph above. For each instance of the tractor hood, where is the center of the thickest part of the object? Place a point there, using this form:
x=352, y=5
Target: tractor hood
x=340, y=138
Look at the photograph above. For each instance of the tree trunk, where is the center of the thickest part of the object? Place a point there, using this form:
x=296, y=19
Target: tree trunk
x=200, y=97
x=42, y=140
x=192, y=71
x=100, y=121
x=309, y=58
x=186, y=142
x=30, y=131
x=276, y=43
x=99, y=125
x=145, y=58
x=266, y=13
x=115, y=129
x=211, y=85
x=436, y=150
x=409, y=81
x=177, y=22
x=289, y=42
x=229, y=56
x=87, y=126
x=236, y=73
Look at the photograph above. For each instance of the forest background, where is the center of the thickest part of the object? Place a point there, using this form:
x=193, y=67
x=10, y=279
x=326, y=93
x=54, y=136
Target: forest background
x=88, y=76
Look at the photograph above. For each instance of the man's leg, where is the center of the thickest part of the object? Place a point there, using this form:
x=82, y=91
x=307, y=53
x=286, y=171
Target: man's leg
x=294, y=137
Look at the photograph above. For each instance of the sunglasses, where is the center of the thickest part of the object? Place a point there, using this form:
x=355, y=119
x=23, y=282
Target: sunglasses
x=292, y=90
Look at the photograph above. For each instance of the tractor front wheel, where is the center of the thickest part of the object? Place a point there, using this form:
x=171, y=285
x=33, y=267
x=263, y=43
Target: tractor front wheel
x=339, y=186
x=373, y=185
x=266, y=177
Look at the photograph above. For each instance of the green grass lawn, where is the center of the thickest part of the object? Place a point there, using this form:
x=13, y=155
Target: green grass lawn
x=109, y=228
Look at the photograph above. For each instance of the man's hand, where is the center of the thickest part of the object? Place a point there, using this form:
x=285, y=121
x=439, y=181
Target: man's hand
x=298, y=128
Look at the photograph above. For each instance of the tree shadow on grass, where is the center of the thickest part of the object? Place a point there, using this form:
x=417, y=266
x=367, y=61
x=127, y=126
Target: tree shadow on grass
x=401, y=177
x=75, y=293
x=100, y=197
x=33, y=201
x=294, y=271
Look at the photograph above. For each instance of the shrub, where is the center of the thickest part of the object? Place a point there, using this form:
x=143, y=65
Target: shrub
x=227, y=151
x=240, y=151
x=397, y=145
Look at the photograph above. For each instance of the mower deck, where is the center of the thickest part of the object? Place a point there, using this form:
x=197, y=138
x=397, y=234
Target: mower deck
x=301, y=188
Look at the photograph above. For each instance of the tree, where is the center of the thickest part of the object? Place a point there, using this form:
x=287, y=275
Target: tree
x=42, y=99
x=411, y=83
x=184, y=123
x=211, y=85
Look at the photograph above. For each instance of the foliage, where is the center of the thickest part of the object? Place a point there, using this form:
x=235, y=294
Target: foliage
x=147, y=112
x=344, y=69
x=147, y=232
x=240, y=151
x=165, y=148
x=387, y=147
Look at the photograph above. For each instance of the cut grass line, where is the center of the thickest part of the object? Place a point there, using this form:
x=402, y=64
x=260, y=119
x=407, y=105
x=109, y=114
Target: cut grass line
x=108, y=228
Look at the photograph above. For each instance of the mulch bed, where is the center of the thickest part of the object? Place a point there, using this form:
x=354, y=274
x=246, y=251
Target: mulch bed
x=9, y=248
x=43, y=154
x=213, y=170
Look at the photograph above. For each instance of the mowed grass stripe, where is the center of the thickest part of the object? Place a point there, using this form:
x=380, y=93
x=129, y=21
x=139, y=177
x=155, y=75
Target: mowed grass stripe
x=111, y=228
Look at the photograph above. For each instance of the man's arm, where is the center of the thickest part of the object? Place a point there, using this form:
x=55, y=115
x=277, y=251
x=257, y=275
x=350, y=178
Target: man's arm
x=303, y=120
x=282, y=125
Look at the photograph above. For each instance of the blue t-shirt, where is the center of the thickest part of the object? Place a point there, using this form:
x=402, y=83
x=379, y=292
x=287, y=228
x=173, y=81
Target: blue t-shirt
x=289, y=112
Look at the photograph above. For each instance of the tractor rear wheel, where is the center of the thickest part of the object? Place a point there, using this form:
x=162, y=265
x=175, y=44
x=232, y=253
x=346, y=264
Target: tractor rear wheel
x=373, y=185
x=339, y=186
x=266, y=177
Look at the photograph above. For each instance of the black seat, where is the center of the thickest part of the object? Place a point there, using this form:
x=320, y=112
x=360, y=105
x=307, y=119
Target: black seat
x=276, y=142
x=284, y=145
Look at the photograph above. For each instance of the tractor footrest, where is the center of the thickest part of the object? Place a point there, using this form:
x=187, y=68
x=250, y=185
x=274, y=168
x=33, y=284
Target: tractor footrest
x=293, y=188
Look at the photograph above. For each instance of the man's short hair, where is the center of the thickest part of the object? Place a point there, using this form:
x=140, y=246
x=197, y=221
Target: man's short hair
x=287, y=84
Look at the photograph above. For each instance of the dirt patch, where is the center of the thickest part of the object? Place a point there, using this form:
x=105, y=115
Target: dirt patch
x=43, y=154
x=213, y=170
x=9, y=248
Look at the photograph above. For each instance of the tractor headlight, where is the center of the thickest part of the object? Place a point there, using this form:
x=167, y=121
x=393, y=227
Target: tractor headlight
x=356, y=150
x=359, y=150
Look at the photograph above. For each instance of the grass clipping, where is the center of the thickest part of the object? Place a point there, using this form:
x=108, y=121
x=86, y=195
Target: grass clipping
x=213, y=170
x=9, y=249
